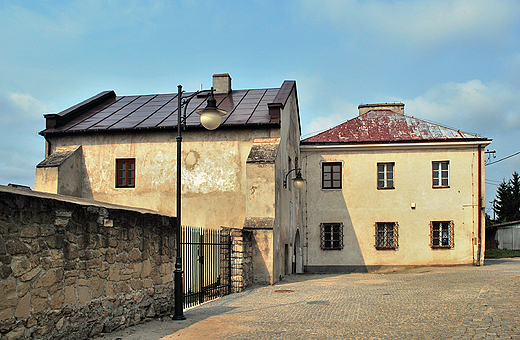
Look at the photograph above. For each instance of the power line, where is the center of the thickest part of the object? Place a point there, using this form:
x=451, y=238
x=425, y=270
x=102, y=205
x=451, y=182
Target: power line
x=501, y=159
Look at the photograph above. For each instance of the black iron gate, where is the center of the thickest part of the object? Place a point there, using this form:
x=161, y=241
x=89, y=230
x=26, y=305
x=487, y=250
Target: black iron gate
x=206, y=257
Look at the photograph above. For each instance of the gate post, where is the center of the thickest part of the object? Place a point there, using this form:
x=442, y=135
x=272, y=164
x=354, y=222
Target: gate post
x=201, y=265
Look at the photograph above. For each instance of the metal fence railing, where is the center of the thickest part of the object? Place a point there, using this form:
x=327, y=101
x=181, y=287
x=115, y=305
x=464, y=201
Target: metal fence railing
x=206, y=257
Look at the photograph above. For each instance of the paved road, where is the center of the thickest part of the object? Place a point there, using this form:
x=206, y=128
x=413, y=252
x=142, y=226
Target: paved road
x=423, y=303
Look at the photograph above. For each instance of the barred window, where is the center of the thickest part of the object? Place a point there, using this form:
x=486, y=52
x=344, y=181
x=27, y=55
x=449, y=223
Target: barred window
x=386, y=235
x=125, y=173
x=440, y=174
x=441, y=234
x=331, y=175
x=331, y=236
x=385, y=175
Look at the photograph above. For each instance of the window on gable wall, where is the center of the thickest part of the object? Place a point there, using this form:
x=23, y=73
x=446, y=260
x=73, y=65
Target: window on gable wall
x=331, y=175
x=386, y=235
x=385, y=175
x=440, y=174
x=441, y=234
x=125, y=173
x=331, y=236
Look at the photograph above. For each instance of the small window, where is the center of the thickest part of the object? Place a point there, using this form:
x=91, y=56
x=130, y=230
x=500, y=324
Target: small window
x=385, y=175
x=441, y=234
x=386, y=235
x=440, y=174
x=331, y=175
x=125, y=173
x=331, y=236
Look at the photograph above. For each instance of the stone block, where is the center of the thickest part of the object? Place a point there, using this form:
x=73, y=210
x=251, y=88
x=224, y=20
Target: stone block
x=147, y=269
x=70, y=251
x=122, y=287
x=96, y=287
x=6, y=314
x=15, y=334
x=22, y=289
x=112, y=243
x=30, y=231
x=59, y=324
x=114, y=273
x=109, y=290
x=83, y=282
x=39, y=293
x=147, y=283
x=122, y=258
x=136, y=284
x=39, y=305
x=49, y=278
x=70, y=295
x=134, y=255
x=110, y=256
x=56, y=301
x=55, y=287
x=5, y=271
x=83, y=294
x=16, y=247
x=7, y=290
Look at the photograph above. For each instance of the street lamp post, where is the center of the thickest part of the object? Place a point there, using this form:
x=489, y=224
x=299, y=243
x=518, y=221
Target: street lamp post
x=210, y=117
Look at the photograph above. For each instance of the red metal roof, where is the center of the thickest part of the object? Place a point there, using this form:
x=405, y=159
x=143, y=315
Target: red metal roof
x=107, y=112
x=387, y=126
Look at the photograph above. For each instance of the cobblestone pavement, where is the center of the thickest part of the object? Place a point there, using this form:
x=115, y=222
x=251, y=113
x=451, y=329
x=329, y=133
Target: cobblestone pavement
x=462, y=302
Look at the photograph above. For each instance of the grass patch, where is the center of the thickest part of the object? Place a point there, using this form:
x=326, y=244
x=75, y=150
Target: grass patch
x=501, y=253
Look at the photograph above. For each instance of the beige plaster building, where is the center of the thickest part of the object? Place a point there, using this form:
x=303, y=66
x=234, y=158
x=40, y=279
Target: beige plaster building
x=122, y=150
x=385, y=190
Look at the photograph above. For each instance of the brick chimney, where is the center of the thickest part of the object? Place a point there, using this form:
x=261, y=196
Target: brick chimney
x=394, y=107
x=222, y=83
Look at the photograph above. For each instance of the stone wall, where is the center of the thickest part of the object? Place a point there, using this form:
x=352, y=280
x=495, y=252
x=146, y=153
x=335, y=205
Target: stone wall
x=72, y=269
x=241, y=258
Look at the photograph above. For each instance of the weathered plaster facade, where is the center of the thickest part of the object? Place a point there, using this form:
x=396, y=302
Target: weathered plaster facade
x=223, y=184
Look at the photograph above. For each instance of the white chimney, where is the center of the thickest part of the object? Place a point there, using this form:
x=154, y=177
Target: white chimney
x=394, y=107
x=222, y=83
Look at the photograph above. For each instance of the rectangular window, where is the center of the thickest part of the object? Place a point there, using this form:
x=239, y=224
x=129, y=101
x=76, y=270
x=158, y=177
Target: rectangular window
x=331, y=236
x=385, y=175
x=386, y=235
x=125, y=173
x=441, y=234
x=331, y=175
x=440, y=174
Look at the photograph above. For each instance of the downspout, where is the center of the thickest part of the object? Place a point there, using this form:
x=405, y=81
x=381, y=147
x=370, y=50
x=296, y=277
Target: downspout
x=479, y=205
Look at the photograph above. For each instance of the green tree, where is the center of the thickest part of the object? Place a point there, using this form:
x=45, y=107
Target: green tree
x=507, y=205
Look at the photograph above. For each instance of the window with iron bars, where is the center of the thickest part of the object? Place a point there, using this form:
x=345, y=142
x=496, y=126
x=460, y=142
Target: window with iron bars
x=387, y=235
x=441, y=234
x=331, y=236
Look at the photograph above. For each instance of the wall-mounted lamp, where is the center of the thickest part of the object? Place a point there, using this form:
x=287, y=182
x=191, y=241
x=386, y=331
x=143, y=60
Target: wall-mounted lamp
x=298, y=181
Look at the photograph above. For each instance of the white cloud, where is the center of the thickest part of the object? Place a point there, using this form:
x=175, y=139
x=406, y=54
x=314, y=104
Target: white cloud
x=419, y=23
x=472, y=106
x=19, y=108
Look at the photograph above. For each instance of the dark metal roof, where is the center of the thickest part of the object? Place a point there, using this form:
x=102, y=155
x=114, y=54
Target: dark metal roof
x=387, y=126
x=107, y=112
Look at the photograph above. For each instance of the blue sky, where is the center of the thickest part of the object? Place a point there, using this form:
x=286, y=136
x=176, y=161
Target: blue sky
x=453, y=62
